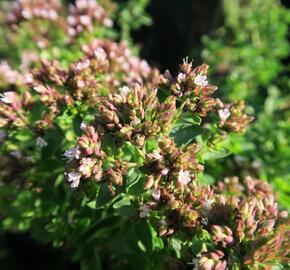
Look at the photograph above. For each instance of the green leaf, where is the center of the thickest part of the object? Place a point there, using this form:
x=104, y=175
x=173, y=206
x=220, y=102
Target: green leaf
x=108, y=144
x=132, y=177
x=91, y=261
x=196, y=246
x=151, y=145
x=176, y=246
x=104, y=196
x=125, y=201
x=216, y=154
x=183, y=136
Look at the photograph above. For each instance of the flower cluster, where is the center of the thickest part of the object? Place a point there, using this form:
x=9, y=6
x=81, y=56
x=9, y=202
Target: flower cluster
x=84, y=15
x=28, y=9
x=13, y=108
x=174, y=201
x=9, y=76
x=191, y=86
x=135, y=114
x=232, y=116
x=104, y=68
x=39, y=16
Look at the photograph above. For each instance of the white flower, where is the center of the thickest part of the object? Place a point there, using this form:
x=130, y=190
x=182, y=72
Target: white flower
x=83, y=126
x=81, y=4
x=17, y=154
x=41, y=142
x=156, y=193
x=71, y=20
x=164, y=171
x=204, y=220
x=224, y=114
x=207, y=205
x=124, y=90
x=83, y=65
x=108, y=22
x=80, y=83
x=74, y=179
x=144, y=210
x=72, y=32
x=2, y=135
x=183, y=177
x=135, y=122
x=155, y=155
x=100, y=55
x=26, y=13
x=181, y=77
x=72, y=153
x=85, y=20
x=28, y=78
x=52, y=14
x=6, y=98
x=86, y=166
x=200, y=80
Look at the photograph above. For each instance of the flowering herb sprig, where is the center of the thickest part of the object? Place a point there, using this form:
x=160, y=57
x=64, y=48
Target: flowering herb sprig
x=100, y=150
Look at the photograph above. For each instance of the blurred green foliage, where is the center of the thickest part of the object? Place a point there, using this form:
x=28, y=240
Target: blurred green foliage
x=249, y=50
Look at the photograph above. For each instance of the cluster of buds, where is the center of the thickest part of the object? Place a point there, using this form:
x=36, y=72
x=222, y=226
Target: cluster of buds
x=84, y=15
x=37, y=17
x=191, y=86
x=117, y=58
x=232, y=116
x=9, y=76
x=274, y=247
x=233, y=222
x=105, y=67
x=13, y=108
x=222, y=234
x=212, y=261
x=134, y=114
x=28, y=9
x=86, y=158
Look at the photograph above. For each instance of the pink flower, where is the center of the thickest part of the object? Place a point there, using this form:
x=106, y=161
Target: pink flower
x=7, y=97
x=181, y=77
x=183, y=178
x=85, y=20
x=200, y=80
x=155, y=155
x=224, y=114
x=72, y=153
x=83, y=126
x=124, y=90
x=156, y=193
x=86, y=166
x=144, y=210
x=74, y=179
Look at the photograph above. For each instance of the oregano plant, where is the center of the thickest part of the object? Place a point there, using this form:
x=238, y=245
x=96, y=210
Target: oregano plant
x=103, y=155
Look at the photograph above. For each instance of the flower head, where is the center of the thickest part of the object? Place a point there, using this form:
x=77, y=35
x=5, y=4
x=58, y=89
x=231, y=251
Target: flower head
x=181, y=77
x=7, y=97
x=124, y=90
x=41, y=142
x=183, y=177
x=200, y=80
x=144, y=210
x=72, y=153
x=156, y=193
x=86, y=166
x=74, y=179
x=224, y=114
x=83, y=126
